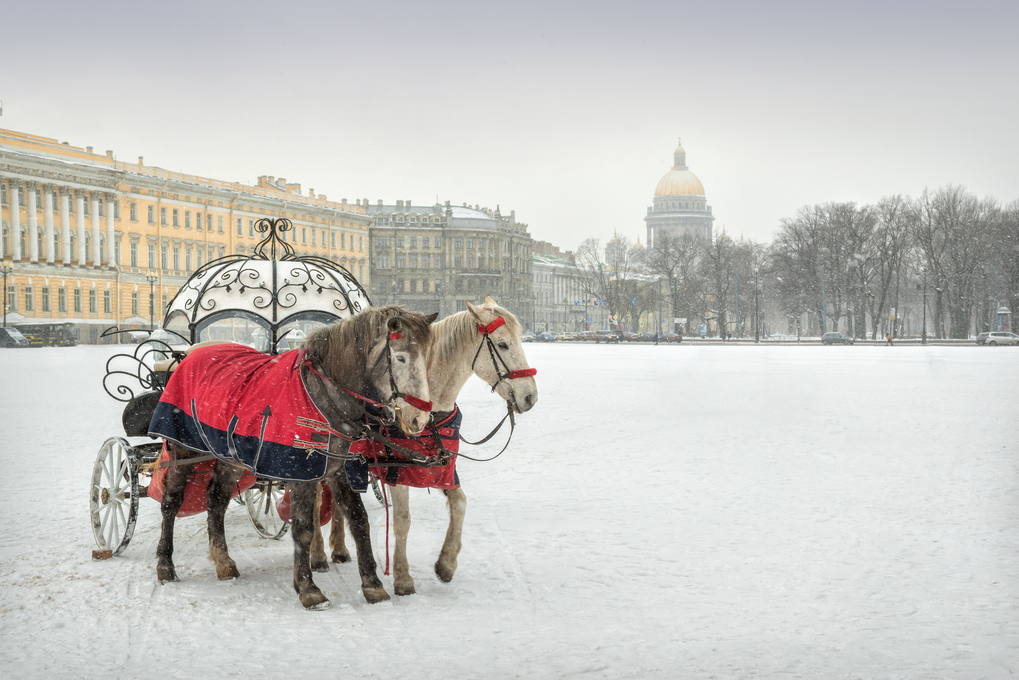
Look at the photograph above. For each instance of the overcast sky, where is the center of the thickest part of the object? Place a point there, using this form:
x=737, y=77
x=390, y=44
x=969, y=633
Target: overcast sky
x=567, y=113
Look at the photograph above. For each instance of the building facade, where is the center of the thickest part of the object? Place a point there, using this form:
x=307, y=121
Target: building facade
x=680, y=206
x=433, y=258
x=563, y=297
x=97, y=242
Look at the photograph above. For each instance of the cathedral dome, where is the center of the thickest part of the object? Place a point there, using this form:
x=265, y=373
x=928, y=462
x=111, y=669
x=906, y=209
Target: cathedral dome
x=679, y=181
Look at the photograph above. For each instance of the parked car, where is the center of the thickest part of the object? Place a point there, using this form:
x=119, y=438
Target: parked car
x=528, y=336
x=627, y=336
x=545, y=337
x=647, y=337
x=606, y=336
x=12, y=337
x=669, y=336
x=585, y=336
x=836, y=339
x=982, y=337
x=1002, y=338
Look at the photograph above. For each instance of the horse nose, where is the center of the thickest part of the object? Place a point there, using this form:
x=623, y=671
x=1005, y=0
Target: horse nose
x=529, y=400
x=418, y=425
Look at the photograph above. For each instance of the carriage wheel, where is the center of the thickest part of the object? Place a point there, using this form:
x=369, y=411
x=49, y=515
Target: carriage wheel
x=113, y=499
x=260, y=500
x=377, y=489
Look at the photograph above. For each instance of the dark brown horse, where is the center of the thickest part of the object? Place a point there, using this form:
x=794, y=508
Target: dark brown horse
x=382, y=350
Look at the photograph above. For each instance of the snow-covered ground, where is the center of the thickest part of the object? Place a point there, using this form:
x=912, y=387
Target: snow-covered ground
x=668, y=512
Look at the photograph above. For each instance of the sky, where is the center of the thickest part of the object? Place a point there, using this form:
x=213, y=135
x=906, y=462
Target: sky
x=567, y=113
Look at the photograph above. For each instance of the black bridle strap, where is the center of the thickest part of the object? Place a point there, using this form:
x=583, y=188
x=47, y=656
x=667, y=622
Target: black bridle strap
x=513, y=424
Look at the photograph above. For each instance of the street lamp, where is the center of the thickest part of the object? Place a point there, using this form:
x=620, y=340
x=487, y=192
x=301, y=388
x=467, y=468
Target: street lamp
x=757, y=304
x=6, y=270
x=923, y=330
x=152, y=300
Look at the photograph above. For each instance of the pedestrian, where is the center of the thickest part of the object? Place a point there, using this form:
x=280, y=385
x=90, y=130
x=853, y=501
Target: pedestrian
x=888, y=338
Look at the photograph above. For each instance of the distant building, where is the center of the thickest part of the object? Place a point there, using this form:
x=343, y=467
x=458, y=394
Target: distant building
x=679, y=204
x=433, y=258
x=88, y=237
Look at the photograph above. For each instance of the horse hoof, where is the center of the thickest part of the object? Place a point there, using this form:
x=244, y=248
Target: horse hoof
x=341, y=558
x=404, y=588
x=375, y=595
x=315, y=601
x=320, y=567
x=444, y=572
x=227, y=572
x=166, y=575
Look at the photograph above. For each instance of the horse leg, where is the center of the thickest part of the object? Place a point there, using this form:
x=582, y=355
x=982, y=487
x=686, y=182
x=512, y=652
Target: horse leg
x=445, y=566
x=403, y=583
x=336, y=540
x=174, y=482
x=224, y=479
x=360, y=531
x=318, y=552
x=302, y=505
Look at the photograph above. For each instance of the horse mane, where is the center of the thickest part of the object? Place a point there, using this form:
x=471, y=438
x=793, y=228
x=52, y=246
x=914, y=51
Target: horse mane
x=342, y=348
x=457, y=330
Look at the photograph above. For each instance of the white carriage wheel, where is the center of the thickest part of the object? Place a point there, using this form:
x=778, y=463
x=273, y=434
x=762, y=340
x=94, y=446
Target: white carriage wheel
x=260, y=502
x=113, y=498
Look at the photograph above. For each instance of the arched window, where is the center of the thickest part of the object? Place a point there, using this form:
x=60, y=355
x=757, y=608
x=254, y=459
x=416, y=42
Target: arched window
x=70, y=255
x=56, y=244
x=88, y=248
x=102, y=248
x=24, y=241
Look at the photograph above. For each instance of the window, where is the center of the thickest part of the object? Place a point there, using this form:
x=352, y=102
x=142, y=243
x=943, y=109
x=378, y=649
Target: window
x=304, y=231
x=92, y=306
x=162, y=216
x=470, y=243
x=201, y=256
x=240, y=227
x=134, y=212
x=198, y=221
x=3, y=194
x=332, y=239
x=360, y=272
x=470, y=260
x=251, y=228
x=152, y=214
x=101, y=204
x=413, y=242
x=208, y=223
x=176, y=257
x=360, y=243
x=187, y=219
x=424, y=241
x=399, y=242
x=187, y=258
x=107, y=302
x=134, y=253
x=456, y=260
x=152, y=255
x=436, y=286
x=343, y=241
x=12, y=298
x=116, y=251
x=61, y=299
x=413, y=261
x=424, y=261
x=164, y=256
x=438, y=242
x=77, y=300
x=399, y=261
x=323, y=238
x=116, y=210
x=29, y=299
x=176, y=217
x=134, y=303
x=456, y=243
x=87, y=206
x=219, y=224
x=383, y=262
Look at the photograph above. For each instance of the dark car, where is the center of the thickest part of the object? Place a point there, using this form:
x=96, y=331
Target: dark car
x=12, y=337
x=669, y=336
x=982, y=338
x=627, y=336
x=528, y=336
x=545, y=337
x=647, y=337
x=836, y=339
x=606, y=336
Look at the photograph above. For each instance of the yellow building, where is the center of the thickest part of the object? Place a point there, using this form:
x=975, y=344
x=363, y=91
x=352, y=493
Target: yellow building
x=87, y=238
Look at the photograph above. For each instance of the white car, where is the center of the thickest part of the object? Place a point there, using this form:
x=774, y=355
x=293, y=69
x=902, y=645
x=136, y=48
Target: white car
x=1002, y=338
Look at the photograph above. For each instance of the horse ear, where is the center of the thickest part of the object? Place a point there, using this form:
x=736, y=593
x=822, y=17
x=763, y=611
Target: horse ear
x=473, y=310
x=393, y=324
x=431, y=318
x=489, y=302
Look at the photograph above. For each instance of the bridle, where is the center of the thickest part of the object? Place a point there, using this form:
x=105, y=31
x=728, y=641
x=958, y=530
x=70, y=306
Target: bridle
x=502, y=376
x=395, y=392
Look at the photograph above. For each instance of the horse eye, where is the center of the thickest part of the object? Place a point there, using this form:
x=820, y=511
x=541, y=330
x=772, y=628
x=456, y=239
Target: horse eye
x=402, y=359
x=503, y=345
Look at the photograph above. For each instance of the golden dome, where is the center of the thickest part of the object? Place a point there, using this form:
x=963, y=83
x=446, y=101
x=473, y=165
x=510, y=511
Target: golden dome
x=679, y=181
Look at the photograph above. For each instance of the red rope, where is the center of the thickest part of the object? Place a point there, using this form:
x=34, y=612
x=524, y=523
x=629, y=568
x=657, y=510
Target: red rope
x=385, y=501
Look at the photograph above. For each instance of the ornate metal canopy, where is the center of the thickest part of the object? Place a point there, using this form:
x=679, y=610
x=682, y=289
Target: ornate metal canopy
x=274, y=288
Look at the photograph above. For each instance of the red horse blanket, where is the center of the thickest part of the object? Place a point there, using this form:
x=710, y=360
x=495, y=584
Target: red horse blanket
x=442, y=477
x=246, y=408
x=196, y=491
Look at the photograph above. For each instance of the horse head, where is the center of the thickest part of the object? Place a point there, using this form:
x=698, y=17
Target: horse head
x=398, y=362
x=500, y=360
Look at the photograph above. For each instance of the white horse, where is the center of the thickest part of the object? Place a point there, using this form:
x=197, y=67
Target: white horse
x=474, y=341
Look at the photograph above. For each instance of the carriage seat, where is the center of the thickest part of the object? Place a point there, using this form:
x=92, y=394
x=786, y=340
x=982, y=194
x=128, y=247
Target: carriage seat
x=166, y=366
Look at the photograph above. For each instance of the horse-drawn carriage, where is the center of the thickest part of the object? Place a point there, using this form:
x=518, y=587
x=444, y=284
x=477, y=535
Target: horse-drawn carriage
x=256, y=308
x=269, y=300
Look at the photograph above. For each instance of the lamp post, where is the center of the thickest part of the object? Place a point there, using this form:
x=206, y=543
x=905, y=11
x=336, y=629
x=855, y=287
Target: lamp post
x=6, y=270
x=923, y=329
x=152, y=300
x=757, y=304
